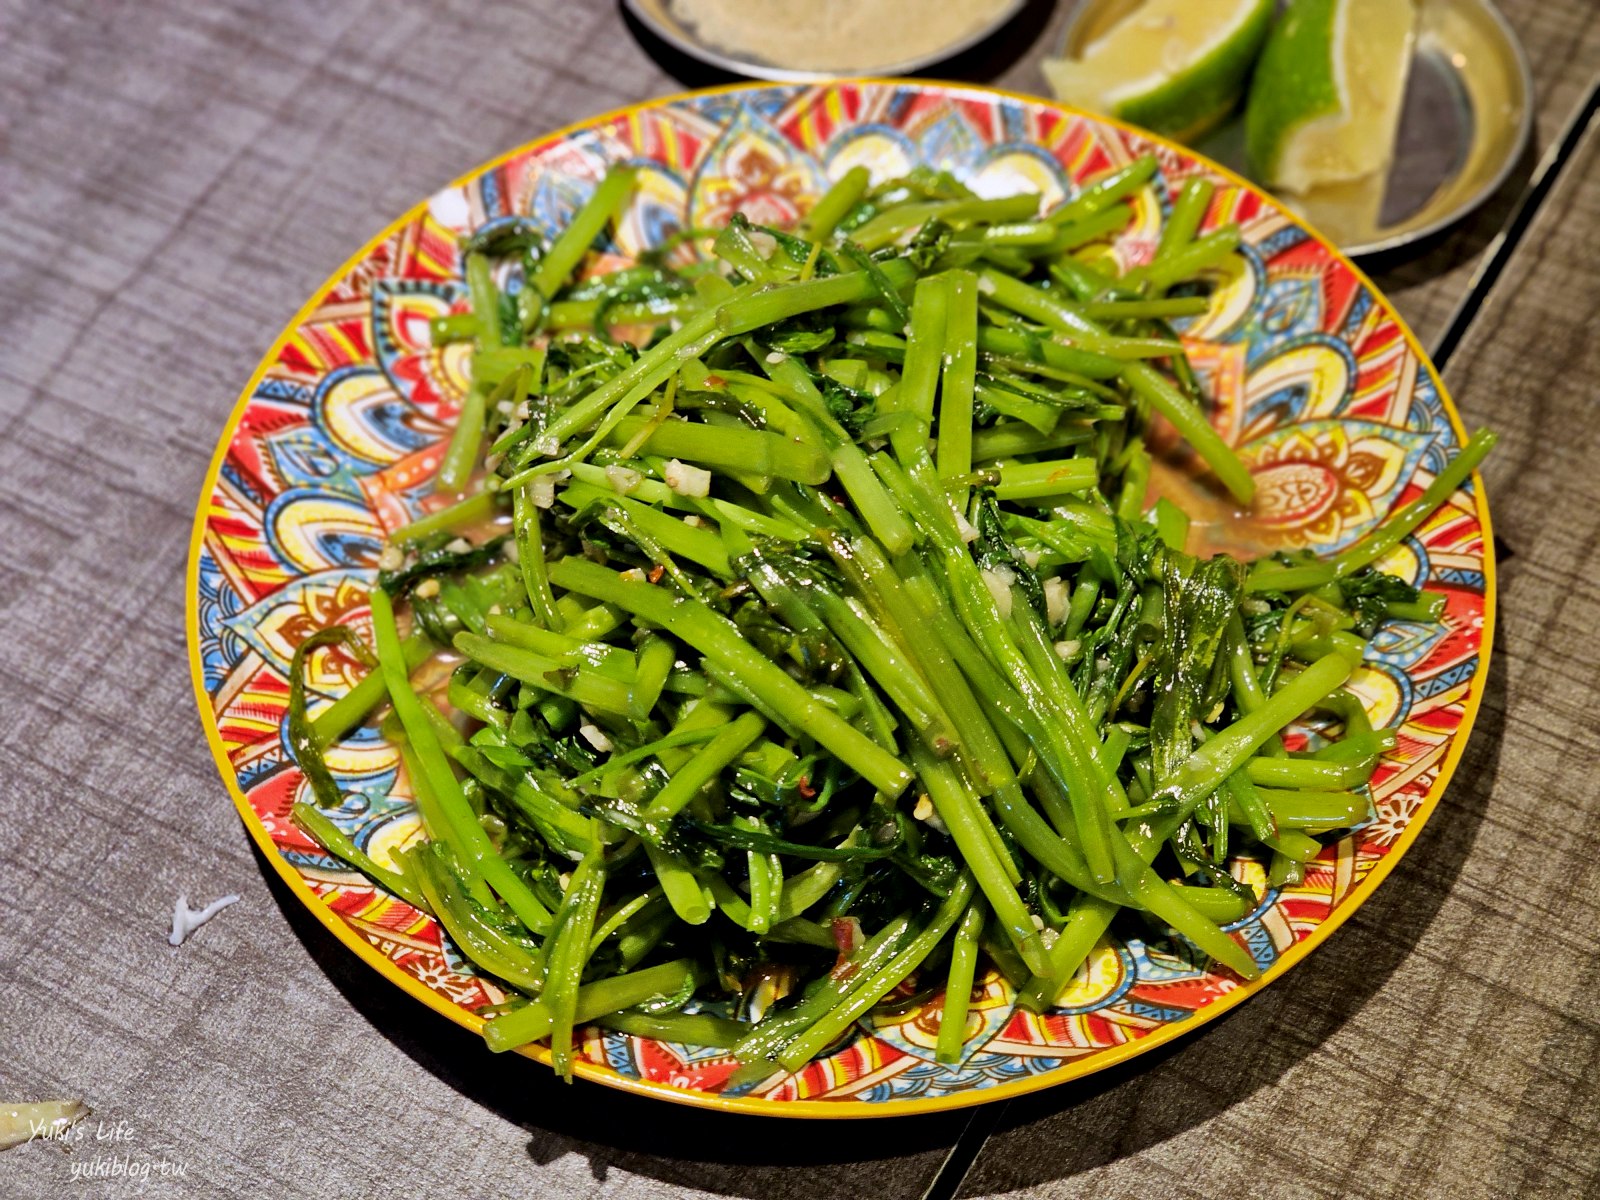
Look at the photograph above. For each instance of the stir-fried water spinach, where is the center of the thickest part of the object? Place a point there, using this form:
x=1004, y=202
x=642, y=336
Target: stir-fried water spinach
x=814, y=638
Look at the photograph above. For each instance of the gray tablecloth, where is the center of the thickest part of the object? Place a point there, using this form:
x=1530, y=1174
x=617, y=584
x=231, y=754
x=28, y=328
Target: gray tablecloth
x=175, y=178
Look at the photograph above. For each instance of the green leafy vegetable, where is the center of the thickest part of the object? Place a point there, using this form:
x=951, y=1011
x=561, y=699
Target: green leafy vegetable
x=819, y=643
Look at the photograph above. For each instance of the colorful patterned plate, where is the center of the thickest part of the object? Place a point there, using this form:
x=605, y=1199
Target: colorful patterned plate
x=1318, y=383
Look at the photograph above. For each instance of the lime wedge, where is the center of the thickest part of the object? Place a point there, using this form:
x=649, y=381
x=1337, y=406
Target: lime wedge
x=1326, y=97
x=1176, y=67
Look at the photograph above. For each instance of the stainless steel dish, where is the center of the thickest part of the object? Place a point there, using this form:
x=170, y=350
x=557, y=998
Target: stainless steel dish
x=1467, y=118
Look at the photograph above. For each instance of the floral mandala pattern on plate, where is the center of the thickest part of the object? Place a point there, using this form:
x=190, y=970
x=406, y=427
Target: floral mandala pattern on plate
x=337, y=440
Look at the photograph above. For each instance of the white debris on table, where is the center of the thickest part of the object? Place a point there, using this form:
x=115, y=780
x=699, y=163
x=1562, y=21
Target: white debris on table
x=186, y=920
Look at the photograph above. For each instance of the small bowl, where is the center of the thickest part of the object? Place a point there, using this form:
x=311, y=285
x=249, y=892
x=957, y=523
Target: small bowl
x=656, y=16
x=1467, y=118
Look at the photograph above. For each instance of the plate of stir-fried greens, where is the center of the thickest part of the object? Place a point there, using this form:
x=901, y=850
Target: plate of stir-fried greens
x=840, y=601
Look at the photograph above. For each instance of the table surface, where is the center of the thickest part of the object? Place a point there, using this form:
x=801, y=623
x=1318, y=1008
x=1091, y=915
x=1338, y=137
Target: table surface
x=175, y=178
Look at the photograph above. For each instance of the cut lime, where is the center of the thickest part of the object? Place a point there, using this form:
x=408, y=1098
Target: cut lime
x=1325, y=102
x=1173, y=66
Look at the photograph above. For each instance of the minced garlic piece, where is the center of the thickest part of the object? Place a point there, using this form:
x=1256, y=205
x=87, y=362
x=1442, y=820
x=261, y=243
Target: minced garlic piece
x=685, y=479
